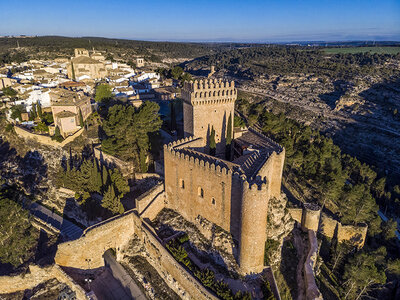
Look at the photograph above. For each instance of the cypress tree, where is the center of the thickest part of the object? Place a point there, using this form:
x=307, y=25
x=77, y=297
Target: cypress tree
x=105, y=176
x=80, y=118
x=73, y=71
x=39, y=109
x=33, y=111
x=173, y=117
x=229, y=138
x=213, y=145
x=111, y=201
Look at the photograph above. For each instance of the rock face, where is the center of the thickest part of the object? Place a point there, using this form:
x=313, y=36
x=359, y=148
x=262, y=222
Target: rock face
x=280, y=224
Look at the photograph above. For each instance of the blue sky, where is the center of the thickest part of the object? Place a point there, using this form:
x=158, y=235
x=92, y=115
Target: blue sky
x=255, y=21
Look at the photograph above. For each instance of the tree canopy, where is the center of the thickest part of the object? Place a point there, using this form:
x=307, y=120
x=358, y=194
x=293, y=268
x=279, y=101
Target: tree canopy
x=103, y=93
x=128, y=129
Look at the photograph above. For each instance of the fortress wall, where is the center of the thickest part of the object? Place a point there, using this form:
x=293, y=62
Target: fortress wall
x=327, y=226
x=167, y=267
x=355, y=234
x=36, y=276
x=87, y=251
x=296, y=214
x=272, y=169
x=151, y=203
x=125, y=167
x=185, y=177
x=253, y=228
x=46, y=140
x=310, y=217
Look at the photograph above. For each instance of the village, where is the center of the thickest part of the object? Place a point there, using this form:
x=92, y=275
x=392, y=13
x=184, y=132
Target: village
x=56, y=97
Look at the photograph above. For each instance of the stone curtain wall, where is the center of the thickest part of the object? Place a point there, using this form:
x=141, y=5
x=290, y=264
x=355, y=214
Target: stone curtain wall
x=151, y=203
x=46, y=140
x=167, y=267
x=36, y=276
x=126, y=168
x=321, y=222
x=87, y=251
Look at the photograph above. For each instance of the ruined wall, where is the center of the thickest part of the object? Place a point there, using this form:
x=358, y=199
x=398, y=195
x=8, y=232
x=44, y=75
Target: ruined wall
x=87, y=251
x=310, y=217
x=46, y=140
x=195, y=187
x=126, y=168
x=329, y=227
x=36, y=276
x=151, y=203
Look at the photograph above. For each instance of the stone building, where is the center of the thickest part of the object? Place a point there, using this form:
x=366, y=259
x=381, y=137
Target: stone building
x=231, y=194
x=82, y=66
x=139, y=62
x=208, y=104
x=65, y=107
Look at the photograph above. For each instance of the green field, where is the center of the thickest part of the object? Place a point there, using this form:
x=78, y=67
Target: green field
x=372, y=50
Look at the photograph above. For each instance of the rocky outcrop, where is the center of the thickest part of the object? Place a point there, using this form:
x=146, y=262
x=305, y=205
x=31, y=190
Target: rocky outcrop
x=279, y=225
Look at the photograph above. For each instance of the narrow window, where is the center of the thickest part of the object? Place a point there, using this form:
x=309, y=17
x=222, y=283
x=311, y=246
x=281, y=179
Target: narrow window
x=213, y=201
x=201, y=192
x=182, y=184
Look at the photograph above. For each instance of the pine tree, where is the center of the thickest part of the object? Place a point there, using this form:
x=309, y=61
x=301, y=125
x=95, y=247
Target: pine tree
x=213, y=145
x=39, y=109
x=80, y=118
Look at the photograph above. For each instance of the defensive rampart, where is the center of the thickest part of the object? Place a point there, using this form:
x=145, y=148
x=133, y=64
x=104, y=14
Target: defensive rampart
x=87, y=251
x=126, y=168
x=36, y=276
x=46, y=140
x=310, y=217
x=151, y=203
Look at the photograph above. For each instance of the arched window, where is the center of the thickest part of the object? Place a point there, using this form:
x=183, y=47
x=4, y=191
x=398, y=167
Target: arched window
x=195, y=95
x=223, y=93
x=201, y=192
x=182, y=184
x=201, y=94
x=213, y=201
x=209, y=94
x=214, y=93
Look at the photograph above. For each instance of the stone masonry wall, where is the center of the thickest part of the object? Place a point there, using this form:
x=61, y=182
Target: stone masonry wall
x=151, y=203
x=36, y=276
x=46, y=140
x=126, y=168
x=329, y=227
x=87, y=251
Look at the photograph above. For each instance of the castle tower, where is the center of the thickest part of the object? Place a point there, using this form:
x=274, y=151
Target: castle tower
x=253, y=234
x=208, y=104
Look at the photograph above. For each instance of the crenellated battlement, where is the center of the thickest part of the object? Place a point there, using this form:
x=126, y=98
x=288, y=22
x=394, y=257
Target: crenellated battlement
x=207, y=84
x=209, y=92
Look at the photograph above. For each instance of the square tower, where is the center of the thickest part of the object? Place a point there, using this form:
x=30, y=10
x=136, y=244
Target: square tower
x=209, y=104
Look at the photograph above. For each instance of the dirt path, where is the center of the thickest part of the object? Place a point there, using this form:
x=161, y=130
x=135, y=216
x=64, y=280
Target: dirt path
x=301, y=248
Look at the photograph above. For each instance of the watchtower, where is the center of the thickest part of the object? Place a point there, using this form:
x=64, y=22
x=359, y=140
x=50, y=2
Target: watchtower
x=208, y=104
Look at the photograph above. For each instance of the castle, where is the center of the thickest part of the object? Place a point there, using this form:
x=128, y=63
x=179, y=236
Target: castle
x=231, y=194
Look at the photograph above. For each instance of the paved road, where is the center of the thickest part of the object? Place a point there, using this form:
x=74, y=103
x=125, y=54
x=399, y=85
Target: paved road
x=119, y=273
x=69, y=230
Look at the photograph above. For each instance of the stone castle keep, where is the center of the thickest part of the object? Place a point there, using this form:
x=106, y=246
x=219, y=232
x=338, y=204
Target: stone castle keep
x=231, y=194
